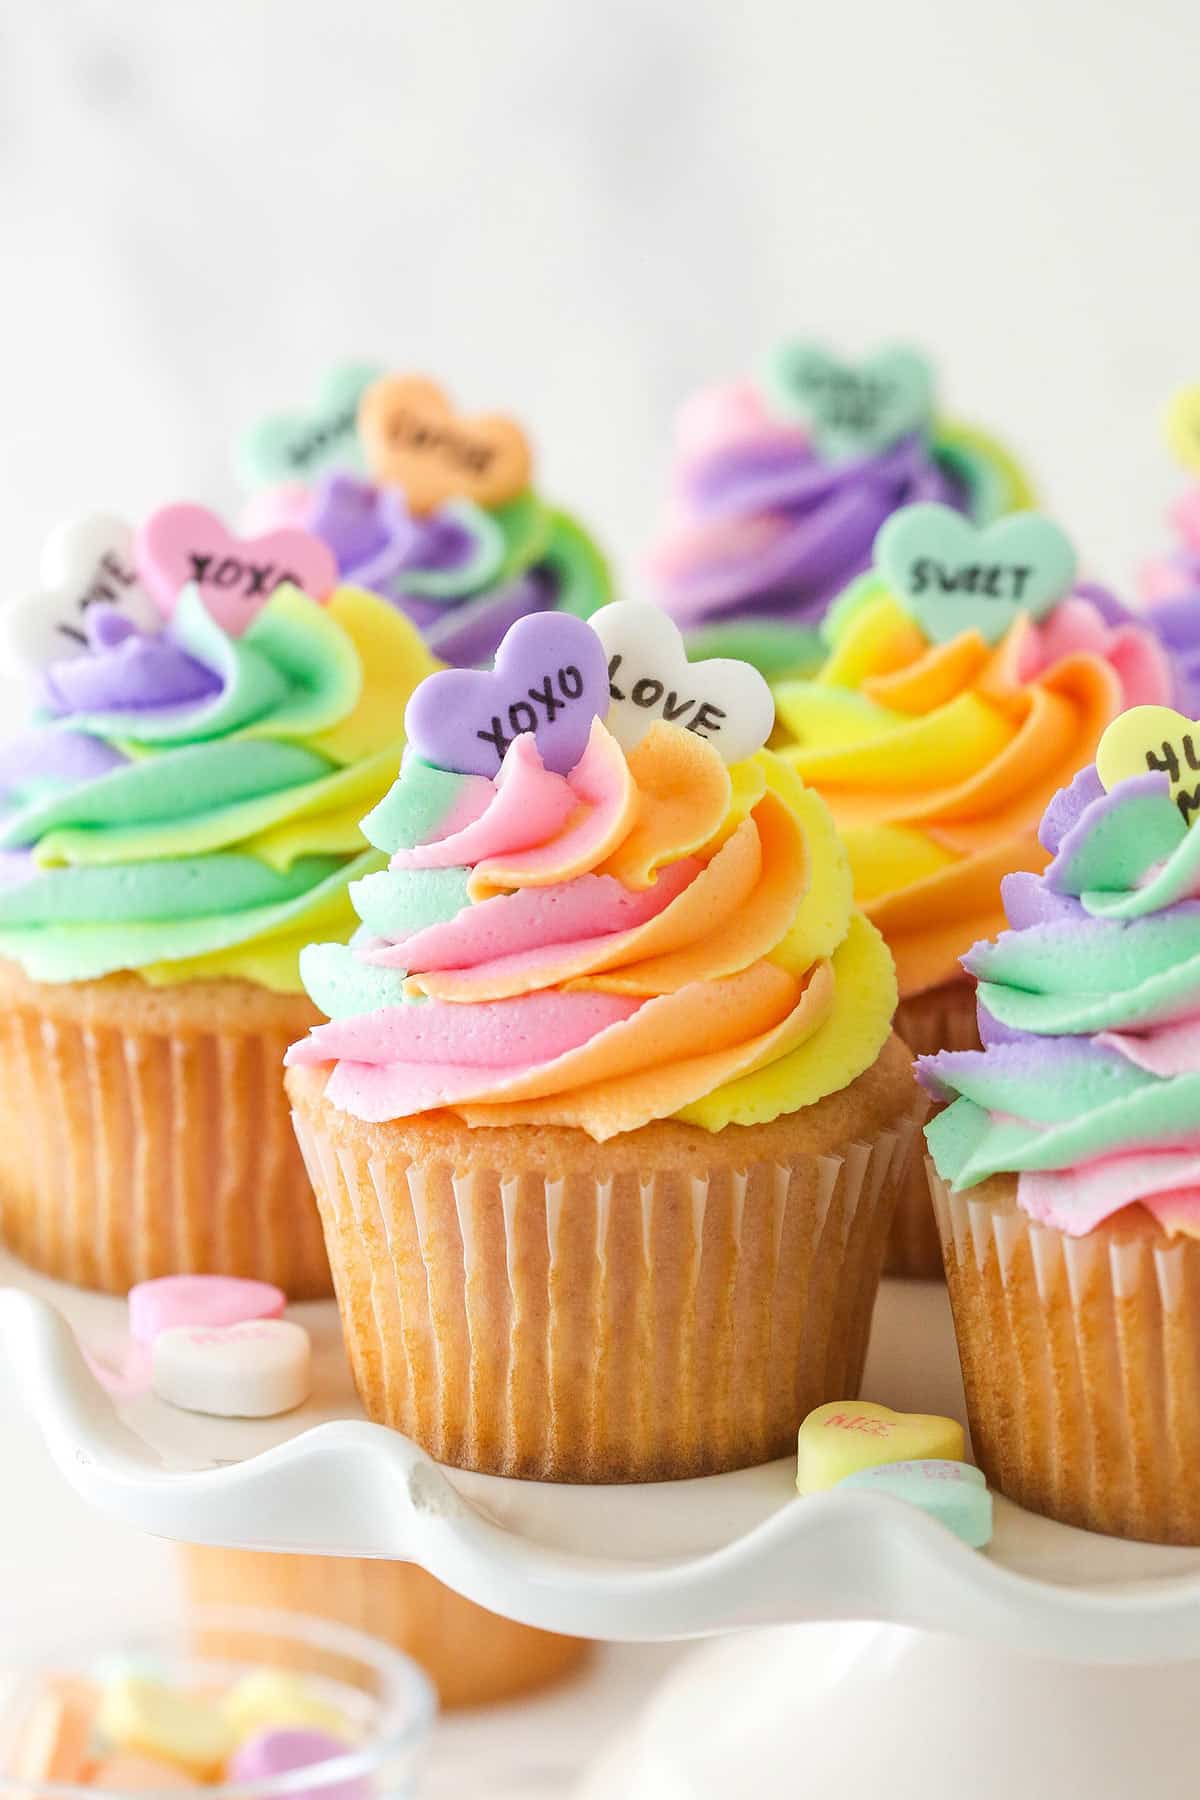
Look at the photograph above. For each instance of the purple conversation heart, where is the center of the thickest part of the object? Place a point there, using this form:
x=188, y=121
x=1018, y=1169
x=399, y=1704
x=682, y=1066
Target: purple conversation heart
x=551, y=678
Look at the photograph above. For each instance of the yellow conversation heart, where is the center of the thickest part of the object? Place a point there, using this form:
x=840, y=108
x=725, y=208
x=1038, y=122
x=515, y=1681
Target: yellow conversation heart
x=844, y=1436
x=1154, y=740
x=1183, y=428
x=149, y=1719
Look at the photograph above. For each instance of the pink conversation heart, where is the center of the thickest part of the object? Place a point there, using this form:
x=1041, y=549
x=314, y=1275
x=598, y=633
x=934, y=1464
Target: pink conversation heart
x=182, y=544
x=282, y=1749
x=550, y=678
x=199, y=1300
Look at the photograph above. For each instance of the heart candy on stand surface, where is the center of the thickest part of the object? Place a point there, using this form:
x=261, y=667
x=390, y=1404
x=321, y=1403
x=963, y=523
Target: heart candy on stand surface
x=953, y=1493
x=851, y=409
x=1149, y=740
x=953, y=576
x=726, y=703
x=415, y=440
x=296, y=447
x=184, y=544
x=550, y=678
x=85, y=562
x=846, y=1435
x=251, y=1371
x=207, y=1300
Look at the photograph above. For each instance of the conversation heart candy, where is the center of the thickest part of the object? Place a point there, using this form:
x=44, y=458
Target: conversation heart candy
x=182, y=544
x=84, y=562
x=1154, y=740
x=845, y=1435
x=1183, y=428
x=953, y=576
x=281, y=1750
x=414, y=440
x=147, y=1718
x=550, y=678
x=292, y=447
x=251, y=1371
x=851, y=410
x=273, y=1697
x=210, y=1300
x=52, y=1742
x=650, y=680
x=953, y=1493
x=128, y=1773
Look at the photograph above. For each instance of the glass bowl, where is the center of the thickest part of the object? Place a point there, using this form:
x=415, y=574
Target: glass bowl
x=387, y=1697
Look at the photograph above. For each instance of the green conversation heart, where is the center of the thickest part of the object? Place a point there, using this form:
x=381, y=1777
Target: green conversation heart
x=298, y=446
x=953, y=576
x=851, y=409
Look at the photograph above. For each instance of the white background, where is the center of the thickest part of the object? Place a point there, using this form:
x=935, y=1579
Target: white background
x=578, y=210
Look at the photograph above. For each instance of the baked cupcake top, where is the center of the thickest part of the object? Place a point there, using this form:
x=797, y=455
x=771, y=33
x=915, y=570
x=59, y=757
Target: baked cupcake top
x=782, y=482
x=185, y=800
x=433, y=510
x=969, y=676
x=605, y=902
x=1088, y=1088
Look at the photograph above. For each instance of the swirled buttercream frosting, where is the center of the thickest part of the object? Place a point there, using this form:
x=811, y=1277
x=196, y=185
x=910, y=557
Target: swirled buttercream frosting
x=938, y=759
x=396, y=485
x=1088, y=1086
x=185, y=802
x=633, y=934
x=766, y=523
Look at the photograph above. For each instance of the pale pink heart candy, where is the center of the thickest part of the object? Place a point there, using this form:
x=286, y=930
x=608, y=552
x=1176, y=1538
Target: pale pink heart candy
x=236, y=1372
x=182, y=544
x=205, y=1300
x=711, y=418
x=274, y=508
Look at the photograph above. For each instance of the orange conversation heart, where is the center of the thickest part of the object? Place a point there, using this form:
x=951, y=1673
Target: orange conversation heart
x=413, y=439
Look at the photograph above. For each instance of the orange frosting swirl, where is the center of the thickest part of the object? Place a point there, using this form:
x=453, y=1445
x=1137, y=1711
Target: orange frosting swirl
x=938, y=760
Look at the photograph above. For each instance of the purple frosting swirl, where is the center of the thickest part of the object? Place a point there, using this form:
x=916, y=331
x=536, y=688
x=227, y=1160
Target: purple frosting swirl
x=1177, y=622
x=125, y=670
x=771, y=530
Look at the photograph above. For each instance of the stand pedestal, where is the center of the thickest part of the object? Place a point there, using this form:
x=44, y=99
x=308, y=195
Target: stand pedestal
x=864, y=1711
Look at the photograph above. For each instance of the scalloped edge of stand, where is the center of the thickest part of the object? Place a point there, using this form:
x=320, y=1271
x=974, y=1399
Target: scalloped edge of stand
x=713, y=1555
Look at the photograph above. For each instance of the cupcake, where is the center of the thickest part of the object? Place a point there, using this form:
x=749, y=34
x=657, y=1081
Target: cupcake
x=969, y=676
x=782, y=482
x=178, y=819
x=607, y=1122
x=1066, y=1168
x=435, y=511
x=472, y=1656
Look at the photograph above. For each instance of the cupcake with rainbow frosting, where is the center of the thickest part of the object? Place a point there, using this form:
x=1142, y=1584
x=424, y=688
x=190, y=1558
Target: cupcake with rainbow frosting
x=782, y=482
x=211, y=716
x=1066, y=1170
x=433, y=510
x=969, y=676
x=607, y=1121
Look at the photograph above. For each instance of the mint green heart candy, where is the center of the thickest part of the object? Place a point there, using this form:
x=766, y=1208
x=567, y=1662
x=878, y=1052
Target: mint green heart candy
x=298, y=446
x=953, y=576
x=953, y=1493
x=848, y=409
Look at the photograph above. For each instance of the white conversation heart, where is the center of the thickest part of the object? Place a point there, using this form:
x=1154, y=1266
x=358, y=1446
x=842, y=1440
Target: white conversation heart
x=650, y=679
x=85, y=561
x=248, y=1371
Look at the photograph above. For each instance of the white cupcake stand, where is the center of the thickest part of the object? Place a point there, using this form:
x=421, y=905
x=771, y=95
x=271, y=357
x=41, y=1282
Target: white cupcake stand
x=1056, y=1662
